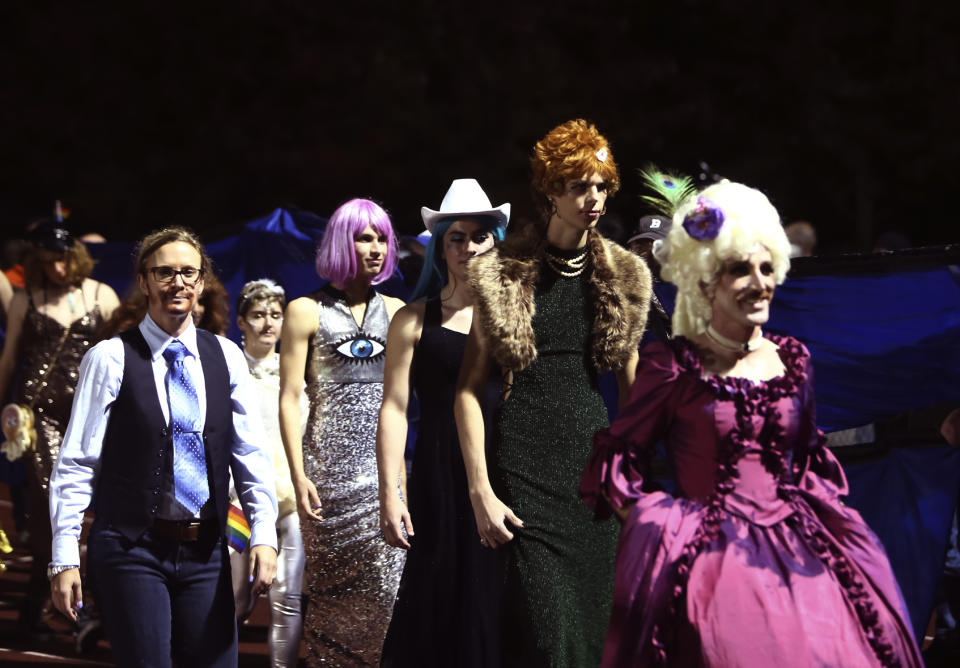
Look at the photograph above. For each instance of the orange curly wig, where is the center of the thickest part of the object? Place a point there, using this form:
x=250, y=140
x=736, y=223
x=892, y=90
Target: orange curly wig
x=569, y=151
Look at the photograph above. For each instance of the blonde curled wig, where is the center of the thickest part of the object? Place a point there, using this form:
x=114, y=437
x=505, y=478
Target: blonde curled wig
x=693, y=264
x=569, y=151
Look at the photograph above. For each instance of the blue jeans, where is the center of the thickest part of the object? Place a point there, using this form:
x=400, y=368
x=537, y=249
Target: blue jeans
x=162, y=600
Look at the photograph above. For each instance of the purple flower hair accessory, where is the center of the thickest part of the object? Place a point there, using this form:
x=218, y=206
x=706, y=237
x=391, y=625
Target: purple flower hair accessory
x=705, y=221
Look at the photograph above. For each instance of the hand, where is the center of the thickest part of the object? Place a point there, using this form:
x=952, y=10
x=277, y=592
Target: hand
x=623, y=512
x=66, y=592
x=393, y=516
x=308, y=501
x=263, y=568
x=492, y=516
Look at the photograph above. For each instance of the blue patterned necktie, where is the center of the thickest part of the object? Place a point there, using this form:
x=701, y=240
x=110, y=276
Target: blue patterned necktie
x=189, y=464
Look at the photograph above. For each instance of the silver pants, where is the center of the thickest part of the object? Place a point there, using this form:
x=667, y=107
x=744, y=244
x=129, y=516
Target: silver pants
x=286, y=622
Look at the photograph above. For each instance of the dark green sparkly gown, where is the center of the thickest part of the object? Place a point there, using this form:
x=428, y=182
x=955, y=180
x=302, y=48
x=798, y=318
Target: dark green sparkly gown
x=560, y=565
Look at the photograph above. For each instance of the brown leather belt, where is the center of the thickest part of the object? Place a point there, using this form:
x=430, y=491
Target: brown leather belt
x=182, y=531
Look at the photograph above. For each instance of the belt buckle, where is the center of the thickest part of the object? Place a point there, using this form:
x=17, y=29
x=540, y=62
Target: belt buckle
x=190, y=531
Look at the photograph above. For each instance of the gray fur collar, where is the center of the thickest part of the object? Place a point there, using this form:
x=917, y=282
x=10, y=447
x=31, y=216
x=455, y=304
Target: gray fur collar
x=504, y=279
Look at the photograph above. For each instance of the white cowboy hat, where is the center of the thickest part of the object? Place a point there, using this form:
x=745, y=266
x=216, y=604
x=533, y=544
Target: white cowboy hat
x=465, y=197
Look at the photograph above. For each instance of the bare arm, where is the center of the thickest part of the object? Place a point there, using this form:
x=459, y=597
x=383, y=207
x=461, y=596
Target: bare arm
x=491, y=513
x=950, y=427
x=405, y=329
x=6, y=292
x=300, y=322
x=8, y=360
x=392, y=304
x=107, y=300
x=625, y=377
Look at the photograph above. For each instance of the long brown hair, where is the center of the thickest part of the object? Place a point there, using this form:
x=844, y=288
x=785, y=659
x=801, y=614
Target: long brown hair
x=79, y=265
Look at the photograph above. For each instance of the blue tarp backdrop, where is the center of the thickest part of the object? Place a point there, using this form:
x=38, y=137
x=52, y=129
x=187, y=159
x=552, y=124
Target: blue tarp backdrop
x=884, y=334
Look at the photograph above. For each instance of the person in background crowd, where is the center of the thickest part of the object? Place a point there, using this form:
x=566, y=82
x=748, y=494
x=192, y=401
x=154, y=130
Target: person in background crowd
x=157, y=549
x=555, y=305
x=649, y=229
x=260, y=317
x=891, y=240
x=334, y=339
x=6, y=295
x=11, y=473
x=410, y=257
x=755, y=561
x=447, y=605
x=50, y=326
x=803, y=238
x=213, y=308
x=13, y=252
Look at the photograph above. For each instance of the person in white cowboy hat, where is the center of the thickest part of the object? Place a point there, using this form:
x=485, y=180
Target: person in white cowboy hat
x=447, y=606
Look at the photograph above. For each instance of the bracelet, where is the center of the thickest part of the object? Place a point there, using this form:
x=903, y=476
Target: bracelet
x=53, y=570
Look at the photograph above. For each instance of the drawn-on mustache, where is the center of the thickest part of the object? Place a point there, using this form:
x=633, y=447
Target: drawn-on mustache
x=756, y=295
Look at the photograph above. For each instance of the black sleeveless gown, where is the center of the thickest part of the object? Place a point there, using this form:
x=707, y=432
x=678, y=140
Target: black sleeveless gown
x=447, y=609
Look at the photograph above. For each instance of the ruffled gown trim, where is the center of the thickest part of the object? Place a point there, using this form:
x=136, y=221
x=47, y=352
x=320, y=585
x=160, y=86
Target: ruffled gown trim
x=808, y=505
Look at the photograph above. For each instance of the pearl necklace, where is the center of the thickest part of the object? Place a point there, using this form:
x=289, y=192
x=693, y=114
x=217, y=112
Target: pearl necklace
x=267, y=367
x=731, y=344
x=567, y=267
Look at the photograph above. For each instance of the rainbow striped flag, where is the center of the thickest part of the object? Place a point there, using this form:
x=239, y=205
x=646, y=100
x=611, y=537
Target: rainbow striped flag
x=238, y=530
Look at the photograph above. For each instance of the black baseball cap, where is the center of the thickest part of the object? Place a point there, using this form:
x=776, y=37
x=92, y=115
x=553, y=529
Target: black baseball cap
x=651, y=227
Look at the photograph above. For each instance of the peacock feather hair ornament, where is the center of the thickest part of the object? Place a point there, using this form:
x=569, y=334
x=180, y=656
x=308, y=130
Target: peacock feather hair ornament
x=669, y=190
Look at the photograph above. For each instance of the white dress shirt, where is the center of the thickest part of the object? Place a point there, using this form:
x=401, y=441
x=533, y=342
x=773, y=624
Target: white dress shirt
x=101, y=372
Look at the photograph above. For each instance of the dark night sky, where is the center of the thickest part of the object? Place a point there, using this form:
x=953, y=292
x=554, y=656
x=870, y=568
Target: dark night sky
x=211, y=114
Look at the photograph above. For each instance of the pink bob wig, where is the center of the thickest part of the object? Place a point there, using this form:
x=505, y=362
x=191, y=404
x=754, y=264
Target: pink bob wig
x=336, y=257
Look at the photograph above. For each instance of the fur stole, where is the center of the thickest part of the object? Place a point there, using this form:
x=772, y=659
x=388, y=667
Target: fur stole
x=504, y=279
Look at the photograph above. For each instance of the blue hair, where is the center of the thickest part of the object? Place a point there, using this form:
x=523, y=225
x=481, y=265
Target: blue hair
x=433, y=276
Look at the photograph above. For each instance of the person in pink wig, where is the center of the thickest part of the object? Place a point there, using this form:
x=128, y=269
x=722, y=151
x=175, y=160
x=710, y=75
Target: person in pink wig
x=334, y=339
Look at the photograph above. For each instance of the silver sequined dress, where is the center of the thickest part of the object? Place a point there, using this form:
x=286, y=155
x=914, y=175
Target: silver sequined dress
x=352, y=574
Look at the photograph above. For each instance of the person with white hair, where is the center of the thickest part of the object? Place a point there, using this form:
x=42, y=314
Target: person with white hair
x=260, y=317
x=753, y=560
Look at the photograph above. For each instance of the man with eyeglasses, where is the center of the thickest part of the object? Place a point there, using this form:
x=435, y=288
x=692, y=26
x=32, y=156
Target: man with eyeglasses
x=162, y=413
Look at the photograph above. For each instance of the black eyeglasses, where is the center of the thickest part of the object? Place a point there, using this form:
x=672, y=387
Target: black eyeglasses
x=189, y=275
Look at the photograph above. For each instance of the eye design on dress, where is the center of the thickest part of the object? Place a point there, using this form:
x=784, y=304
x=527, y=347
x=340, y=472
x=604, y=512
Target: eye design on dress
x=360, y=348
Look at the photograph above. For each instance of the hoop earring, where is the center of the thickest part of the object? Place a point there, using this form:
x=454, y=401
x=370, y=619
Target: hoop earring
x=604, y=209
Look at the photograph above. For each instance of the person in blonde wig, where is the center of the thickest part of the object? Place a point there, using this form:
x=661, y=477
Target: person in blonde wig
x=754, y=561
x=690, y=263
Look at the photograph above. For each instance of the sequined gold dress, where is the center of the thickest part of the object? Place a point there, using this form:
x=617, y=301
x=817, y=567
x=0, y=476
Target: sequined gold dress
x=48, y=383
x=48, y=380
x=352, y=574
